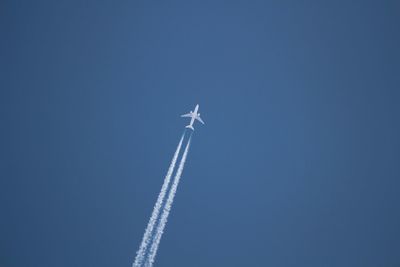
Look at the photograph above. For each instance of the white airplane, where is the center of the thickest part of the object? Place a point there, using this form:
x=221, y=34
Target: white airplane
x=194, y=116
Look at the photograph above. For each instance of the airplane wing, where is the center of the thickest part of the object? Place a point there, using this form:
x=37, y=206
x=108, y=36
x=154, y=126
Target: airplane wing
x=199, y=119
x=186, y=115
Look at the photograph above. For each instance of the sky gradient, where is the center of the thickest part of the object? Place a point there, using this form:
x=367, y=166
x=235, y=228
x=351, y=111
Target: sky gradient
x=298, y=163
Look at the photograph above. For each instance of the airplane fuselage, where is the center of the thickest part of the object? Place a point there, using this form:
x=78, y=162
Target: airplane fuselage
x=194, y=115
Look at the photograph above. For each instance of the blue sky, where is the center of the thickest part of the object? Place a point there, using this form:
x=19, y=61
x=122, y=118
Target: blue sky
x=297, y=165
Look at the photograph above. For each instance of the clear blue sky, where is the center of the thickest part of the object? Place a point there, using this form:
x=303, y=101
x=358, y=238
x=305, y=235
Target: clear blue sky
x=298, y=164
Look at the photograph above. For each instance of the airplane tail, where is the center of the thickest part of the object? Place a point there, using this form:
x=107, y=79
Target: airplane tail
x=190, y=127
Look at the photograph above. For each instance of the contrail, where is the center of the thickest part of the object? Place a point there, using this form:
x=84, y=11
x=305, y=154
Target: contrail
x=156, y=210
x=167, y=209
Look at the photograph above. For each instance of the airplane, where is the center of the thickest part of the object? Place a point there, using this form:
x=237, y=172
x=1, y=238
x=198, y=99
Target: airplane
x=194, y=116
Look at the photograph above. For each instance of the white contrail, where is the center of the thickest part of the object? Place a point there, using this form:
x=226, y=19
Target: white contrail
x=166, y=210
x=156, y=210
